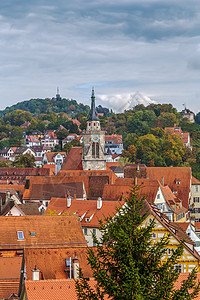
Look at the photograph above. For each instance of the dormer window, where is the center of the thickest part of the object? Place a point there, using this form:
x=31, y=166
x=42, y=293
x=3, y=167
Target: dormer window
x=20, y=235
x=87, y=220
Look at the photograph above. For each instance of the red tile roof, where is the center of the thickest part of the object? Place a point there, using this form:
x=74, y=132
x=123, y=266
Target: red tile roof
x=115, y=138
x=51, y=262
x=9, y=275
x=74, y=159
x=53, y=289
x=10, y=268
x=50, y=231
x=86, y=208
x=177, y=178
x=195, y=181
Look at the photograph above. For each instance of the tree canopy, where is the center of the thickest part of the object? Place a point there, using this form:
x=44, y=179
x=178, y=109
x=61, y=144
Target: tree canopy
x=126, y=264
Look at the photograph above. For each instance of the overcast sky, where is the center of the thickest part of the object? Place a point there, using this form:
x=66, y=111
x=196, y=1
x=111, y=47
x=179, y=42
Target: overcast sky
x=118, y=46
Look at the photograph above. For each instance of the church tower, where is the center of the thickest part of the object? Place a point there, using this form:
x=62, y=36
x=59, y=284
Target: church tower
x=93, y=157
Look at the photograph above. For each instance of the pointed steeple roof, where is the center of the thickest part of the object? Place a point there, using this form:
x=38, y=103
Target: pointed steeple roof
x=93, y=114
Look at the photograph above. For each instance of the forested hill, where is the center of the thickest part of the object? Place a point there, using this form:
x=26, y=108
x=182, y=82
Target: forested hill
x=39, y=106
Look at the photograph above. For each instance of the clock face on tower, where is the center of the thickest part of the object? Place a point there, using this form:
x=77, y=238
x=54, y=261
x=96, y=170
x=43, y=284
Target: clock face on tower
x=95, y=138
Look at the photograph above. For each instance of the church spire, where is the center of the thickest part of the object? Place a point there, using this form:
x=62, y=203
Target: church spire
x=93, y=114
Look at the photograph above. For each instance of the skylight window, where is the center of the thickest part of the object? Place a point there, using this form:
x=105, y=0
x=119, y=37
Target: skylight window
x=20, y=235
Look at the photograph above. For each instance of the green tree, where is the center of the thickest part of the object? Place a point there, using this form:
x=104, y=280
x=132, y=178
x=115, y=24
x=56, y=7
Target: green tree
x=127, y=265
x=62, y=133
x=24, y=161
x=16, y=136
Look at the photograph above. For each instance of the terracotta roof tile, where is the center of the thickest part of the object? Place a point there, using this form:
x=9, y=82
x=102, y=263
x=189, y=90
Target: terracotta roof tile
x=86, y=208
x=53, y=289
x=195, y=181
x=51, y=262
x=7, y=288
x=10, y=268
x=50, y=231
x=74, y=159
x=173, y=175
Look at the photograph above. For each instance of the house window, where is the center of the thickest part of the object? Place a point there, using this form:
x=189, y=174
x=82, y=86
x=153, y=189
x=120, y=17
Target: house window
x=196, y=199
x=196, y=188
x=153, y=235
x=168, y=251
x=94, y=231
x=179, y=267
x=20, y=235
x=158, y=196
x=85, y=230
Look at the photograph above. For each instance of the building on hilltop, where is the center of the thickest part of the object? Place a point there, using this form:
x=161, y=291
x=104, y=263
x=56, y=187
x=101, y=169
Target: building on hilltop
x=188, y=114
x=93, y=154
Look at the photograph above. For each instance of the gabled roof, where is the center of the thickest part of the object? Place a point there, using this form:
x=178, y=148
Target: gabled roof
x=50, y=231
x=177, y=178
x=173, y=228
x=51, y=156
x=195, y=181
x=86, y=208
x=74, y=159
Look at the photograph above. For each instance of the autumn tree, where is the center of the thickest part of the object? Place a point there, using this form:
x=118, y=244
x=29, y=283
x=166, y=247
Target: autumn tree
x=126, y=264
x=24, y=161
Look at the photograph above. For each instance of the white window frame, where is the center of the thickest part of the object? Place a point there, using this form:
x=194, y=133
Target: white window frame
x=20, y=235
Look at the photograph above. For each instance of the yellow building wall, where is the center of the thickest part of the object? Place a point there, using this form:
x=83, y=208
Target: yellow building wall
x=187, y=261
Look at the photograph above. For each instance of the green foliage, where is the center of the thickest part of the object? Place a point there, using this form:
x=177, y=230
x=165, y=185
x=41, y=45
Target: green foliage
x=17, y=117
x=43, y=106
x=24, y=161
x=158, y=149
x=16, y=137
x=73, y=143
x=127, y=265
x=62, y=133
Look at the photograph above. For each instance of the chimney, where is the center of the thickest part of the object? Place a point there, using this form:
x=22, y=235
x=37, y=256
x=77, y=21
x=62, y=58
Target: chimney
x=99, y=203
x=138, y=167
x=135, y=180
x=7, y=196
x=162, y=181
x=35, y=274
x=69, y=201
x=76, y=266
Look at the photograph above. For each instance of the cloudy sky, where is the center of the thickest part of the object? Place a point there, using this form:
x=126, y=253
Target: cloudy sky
x=118, y=46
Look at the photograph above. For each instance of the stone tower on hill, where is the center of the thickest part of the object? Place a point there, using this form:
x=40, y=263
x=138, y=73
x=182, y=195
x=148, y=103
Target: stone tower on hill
x=93, y=156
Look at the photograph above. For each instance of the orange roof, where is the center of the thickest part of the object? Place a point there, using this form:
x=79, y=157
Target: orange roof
x=112, y=164
x=10, y=267
x=184, y=225
x=53, y=289
x=51, y=262
x=74, y=159
x=7, y=288
x=86, y=208
x=177, y=178
x=94, y=180
x=184, y=276
x=115, y=138
x=50, y=155
x=48, y=232
x=195, y=181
